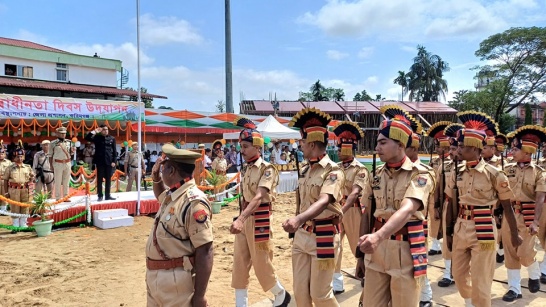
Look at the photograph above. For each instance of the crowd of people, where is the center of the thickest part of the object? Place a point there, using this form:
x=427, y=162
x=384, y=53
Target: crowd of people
x=461, y=202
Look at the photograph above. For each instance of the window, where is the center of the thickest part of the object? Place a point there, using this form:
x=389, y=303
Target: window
x=18, y=71
x=62, y=72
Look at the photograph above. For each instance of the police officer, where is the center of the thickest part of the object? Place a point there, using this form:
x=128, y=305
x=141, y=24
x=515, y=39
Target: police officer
x=489, y=151
x=527, y=181
x=60, y=151
x=88, y=153
x=42, y=169
x=179, y=250
x=316, y=240
x=252, y=226
x=132, y=164
x=4, y=164
x=500, y=146
x=480, y=186
x=398, y=189
x=19, y=182
x=356, y=177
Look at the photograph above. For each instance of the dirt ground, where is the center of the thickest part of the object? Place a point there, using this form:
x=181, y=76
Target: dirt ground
x=92, y=267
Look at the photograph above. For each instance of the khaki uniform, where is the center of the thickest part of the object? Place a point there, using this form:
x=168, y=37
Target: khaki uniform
x=313, y=276
x=60, y=151
x=495, y=161
x=20, y=185
x=219, y=165
x=131, y=162
x=433, y=223
x=391, y=267
x=182, y=225
x=4, y=164
x=247, y=251
x=525, y=182
x=473, y=258
x=355, y=174
x=45, y=182
x=542, y=227
x=450, y=183
x=88, y=153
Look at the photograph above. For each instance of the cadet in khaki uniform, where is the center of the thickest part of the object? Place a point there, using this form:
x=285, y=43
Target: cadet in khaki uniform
x=356, y=177
x=42, y=169
x=472, y=237
x=179, y=252
x=489, y=150
x=19, y=182
x=316, y=238
x=219, y=164
x=252, y=227
x=60, y=151
x=500, y=146
x=131, y=166
x=395, y=261
x=4, y=164
x=527, y=181
x=88, y=153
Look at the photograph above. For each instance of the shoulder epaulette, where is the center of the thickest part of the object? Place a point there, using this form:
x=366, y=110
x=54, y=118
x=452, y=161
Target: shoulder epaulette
x=539, y=167
x=493, y=170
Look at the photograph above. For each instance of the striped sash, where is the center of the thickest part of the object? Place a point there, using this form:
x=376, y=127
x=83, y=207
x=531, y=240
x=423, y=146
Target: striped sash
x=325, y=231
x=417, y=248
x=484, y=227
x=528, y=211
x=425, y=228
x=262, y=227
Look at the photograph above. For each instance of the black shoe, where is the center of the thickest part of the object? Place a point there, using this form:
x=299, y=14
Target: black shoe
x=534, y=285
x=336, y=292
x=100, y=198
x=543, y=278
x=511, y=296
x=433, y=252
x=287, y=299
x=445, y=282
x=500, y=258
x=110, y=198
x=425, y=304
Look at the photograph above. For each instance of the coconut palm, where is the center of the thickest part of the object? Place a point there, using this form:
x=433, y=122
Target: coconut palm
x=425, y=76
x=402, y=80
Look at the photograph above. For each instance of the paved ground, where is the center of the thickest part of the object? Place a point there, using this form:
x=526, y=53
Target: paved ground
x=448, y=296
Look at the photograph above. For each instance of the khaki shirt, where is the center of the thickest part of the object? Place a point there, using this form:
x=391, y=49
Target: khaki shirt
x=391, y=187
x=219, y=164
x=260, y=174
x=4, y=164
x=525, y=181
x=40, y=158
x=482, y=185
x=19, y=173
x=495, y=161
x=131, y=159
x=355, y=174
x=88, y=152
x=180, y=231
x=56, y=150
x=419, y=163
x=323, y=177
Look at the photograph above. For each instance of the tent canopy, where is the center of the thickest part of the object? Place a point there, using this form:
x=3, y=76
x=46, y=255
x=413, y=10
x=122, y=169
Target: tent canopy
x=271, y=128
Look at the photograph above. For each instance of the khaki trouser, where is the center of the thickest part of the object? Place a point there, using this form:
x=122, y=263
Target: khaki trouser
x=20, y=195
x=132, y=176
x=351, y=229
x=472, y=268
x=2, y=192
x=46, y=187
x=524, y=254
x=446, y=253
x=389, y=276
x=245, y=256
x=311, y=285
x=61, y=172
x=169, y=288
x=433, y=223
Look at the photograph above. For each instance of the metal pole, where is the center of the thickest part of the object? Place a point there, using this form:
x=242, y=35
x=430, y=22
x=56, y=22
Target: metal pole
x=140, y=110
x=229, y=85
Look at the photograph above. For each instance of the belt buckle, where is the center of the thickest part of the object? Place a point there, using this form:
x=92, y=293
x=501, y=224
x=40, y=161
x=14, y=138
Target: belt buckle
x=467, y=212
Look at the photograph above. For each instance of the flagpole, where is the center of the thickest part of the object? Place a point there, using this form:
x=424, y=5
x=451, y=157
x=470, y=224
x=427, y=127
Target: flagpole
x=140, y=110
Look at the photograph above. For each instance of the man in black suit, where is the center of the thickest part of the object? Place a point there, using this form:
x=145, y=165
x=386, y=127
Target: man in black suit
x=105, y=158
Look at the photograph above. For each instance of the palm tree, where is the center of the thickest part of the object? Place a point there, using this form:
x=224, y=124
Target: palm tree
x=339, y=95
x=317, y=90
x=425, y=76
x=402, y=80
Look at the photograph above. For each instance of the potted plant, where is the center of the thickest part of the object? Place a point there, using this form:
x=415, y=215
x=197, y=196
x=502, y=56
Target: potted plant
x=41, y=207
x=215, y=180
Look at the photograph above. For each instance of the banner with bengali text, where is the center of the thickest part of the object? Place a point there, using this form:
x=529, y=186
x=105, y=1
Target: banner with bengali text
x=42, y=107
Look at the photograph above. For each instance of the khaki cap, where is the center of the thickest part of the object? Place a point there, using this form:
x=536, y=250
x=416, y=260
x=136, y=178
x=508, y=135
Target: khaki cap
x=201, y=146
x=134, y=144
x=45, y=142
x=180, y=155
x=61, y=129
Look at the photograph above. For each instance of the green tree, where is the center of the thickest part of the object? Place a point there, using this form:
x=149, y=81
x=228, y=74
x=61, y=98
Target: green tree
x=528, y=115
x=317, y=91
x=362, y=96
x=403, y=81
x=425, y=77
x=165, y=108
x=519, y=57
x=357, y=97
x=148, y=102
x=378, y=98
x=339, y=95
x=220, y=106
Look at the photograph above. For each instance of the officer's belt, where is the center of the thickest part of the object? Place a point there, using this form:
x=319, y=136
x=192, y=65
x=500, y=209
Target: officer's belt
x=166, y=264
x=133, y=166
x=468, y=212
x=400, y=235
x=62, y=161
x=527, y=209
x=15, y=185
x=310, y=226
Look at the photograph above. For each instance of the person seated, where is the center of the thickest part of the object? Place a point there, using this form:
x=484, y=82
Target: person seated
x=283, y=160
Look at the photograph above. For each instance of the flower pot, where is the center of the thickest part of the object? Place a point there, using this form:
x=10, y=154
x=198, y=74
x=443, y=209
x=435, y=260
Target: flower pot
x=43, y=228
x=216, y=206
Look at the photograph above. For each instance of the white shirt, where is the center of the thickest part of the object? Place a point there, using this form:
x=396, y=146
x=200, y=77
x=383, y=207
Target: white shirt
x=277, y=153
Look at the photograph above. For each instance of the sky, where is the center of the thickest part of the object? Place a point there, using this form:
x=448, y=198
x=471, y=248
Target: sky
x=280, y=47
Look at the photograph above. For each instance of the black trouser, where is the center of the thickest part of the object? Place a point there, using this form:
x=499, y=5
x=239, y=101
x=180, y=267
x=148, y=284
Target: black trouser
x=104, y=172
